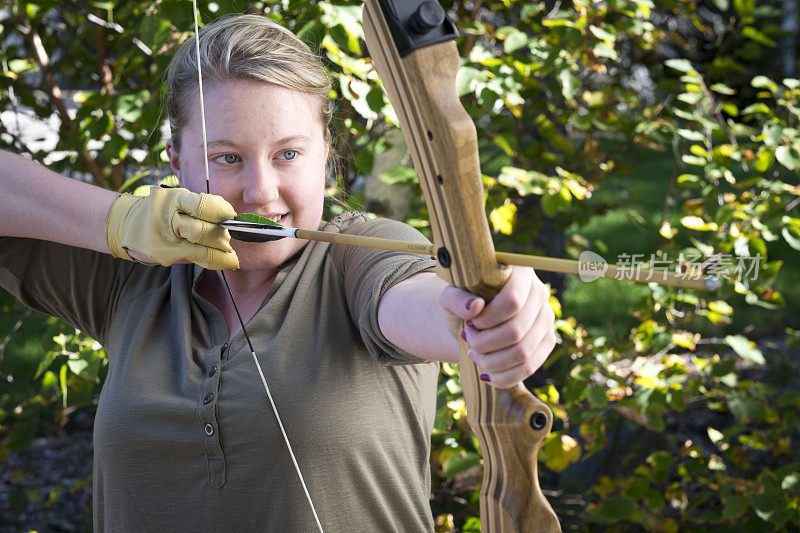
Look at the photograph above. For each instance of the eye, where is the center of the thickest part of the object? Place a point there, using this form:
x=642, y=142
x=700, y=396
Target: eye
x=289, y=154
x=228, y=159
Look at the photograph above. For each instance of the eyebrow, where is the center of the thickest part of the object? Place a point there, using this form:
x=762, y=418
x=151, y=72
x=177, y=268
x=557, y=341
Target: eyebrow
x=285, y=140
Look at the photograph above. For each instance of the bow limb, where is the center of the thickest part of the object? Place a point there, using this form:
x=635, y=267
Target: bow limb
x=510, y=424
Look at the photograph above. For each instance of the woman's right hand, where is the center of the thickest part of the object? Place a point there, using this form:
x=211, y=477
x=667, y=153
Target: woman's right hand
x=170, y=226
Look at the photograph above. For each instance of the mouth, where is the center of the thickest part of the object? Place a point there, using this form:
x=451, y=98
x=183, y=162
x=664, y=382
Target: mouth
x=275, y=218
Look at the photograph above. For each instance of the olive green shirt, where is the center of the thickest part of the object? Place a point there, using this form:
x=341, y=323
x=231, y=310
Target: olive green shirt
x=185, y=438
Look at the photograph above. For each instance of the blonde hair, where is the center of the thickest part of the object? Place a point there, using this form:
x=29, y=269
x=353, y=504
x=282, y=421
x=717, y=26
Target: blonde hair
x=247, y=48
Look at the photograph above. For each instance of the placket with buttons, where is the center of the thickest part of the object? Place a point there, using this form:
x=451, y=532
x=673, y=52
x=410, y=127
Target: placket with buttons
x=207, y=415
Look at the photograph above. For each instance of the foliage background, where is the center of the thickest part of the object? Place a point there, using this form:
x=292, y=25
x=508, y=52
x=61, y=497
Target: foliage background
x=619, y=127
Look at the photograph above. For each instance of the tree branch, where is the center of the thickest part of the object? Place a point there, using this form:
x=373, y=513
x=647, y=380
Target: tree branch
x=43, y=61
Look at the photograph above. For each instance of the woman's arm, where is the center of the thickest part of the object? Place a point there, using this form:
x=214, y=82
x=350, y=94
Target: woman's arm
x=509, y=338
x=40, y=204
x=411, y=318
x=166, y=227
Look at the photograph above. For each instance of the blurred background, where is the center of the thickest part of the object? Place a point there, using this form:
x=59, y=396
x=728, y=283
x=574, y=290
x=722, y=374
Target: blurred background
x=663, y=134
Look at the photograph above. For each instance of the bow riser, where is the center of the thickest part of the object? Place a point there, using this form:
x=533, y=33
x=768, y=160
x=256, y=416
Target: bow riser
x=443, y=144
x=510, y=424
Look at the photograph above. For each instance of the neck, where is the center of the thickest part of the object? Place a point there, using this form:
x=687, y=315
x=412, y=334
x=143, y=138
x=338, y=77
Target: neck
x=245, y=283
x=249, y=289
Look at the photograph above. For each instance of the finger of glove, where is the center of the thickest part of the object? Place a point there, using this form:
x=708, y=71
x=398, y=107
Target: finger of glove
x=201, y=232
x=210, y=258
x=209, y=207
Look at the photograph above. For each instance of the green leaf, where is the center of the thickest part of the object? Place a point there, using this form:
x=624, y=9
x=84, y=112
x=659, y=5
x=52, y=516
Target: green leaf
x=755, y=35
x=399, y=175
x=468, y=78
x=763, y=82
x=154, y=31
x=721, y=88
x=756, y=108
x=745, y=410
x=744, y=7
x=554, y=202
x=681, y=65
x=691, y=135
x=62, y=382
x=252, y=217
x=472, y=525
x=129, y=107
x=764, y=504
x=746, y=349
x=618, y=507
x=720, y=306
x=735, y=506
x=690, y=98
x=569, y=83
x=602, y=33
x=792, y=83
x=788, y=156
x=77, y=366
x=722, y=5
x=597, y=396
x=791, y=231
x=459, y=462
x=514, y=41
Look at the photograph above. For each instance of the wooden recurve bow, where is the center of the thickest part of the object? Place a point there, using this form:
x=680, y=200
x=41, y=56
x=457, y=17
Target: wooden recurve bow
x=412, y=44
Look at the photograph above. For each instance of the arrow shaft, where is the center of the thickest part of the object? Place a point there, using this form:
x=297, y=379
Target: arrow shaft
x=548, y=264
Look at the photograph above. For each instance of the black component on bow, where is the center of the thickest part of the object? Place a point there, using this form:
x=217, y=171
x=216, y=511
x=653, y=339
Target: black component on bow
x=416, y=24
x=444, y=257
x=538, y=420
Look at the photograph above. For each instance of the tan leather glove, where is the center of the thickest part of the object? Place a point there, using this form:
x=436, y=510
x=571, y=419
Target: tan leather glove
x=170, y=225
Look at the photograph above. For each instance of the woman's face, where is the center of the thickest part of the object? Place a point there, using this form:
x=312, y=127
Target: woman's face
x=266, y=155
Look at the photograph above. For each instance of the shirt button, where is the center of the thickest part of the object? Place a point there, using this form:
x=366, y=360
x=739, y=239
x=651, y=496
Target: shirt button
x=208, y=398
x=208, y=429
x=212, y=371
x=224, y=347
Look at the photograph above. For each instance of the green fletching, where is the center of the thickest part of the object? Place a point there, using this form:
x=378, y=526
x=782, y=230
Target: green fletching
x=252, y=217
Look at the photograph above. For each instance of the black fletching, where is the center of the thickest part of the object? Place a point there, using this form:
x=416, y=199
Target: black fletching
x=252, y=237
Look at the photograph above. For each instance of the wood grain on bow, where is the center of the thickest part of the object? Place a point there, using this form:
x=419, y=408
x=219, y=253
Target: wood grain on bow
x=411, y=43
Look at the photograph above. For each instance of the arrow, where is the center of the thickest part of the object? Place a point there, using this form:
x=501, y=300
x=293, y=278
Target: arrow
x=263, y=232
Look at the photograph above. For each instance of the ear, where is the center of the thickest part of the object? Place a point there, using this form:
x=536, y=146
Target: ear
x=174, y=158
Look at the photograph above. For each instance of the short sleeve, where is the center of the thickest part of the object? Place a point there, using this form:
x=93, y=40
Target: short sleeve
x=73, y=284
x=368, y=273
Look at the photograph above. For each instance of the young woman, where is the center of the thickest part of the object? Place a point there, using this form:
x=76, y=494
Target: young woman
x=348, y=338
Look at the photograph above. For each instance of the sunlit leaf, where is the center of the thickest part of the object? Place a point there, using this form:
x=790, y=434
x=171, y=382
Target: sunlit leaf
x=559, y=451
x=697, y=223
x=503, y=218
x=745, y=348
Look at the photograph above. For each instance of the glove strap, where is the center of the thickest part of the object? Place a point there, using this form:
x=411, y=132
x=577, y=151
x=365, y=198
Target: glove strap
x=116, y=224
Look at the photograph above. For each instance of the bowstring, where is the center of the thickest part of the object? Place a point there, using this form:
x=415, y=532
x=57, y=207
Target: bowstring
x=225, y=279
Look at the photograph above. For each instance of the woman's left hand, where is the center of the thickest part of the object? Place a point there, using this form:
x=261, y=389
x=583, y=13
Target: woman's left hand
x=511, y=337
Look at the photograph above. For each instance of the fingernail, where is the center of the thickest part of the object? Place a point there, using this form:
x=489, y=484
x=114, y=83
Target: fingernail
x=470, y=324
x=464, y=334
x=470, y=302
x=485, y=377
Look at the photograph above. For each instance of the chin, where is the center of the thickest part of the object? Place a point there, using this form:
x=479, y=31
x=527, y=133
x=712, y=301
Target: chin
x=267, y=255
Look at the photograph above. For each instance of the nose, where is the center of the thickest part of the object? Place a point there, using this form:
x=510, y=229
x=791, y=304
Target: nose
x=261, y=184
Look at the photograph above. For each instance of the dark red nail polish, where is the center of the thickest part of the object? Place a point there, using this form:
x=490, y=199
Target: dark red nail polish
x=470, y=302
x=463, y=334
x=470, y=324
x=485, y=377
